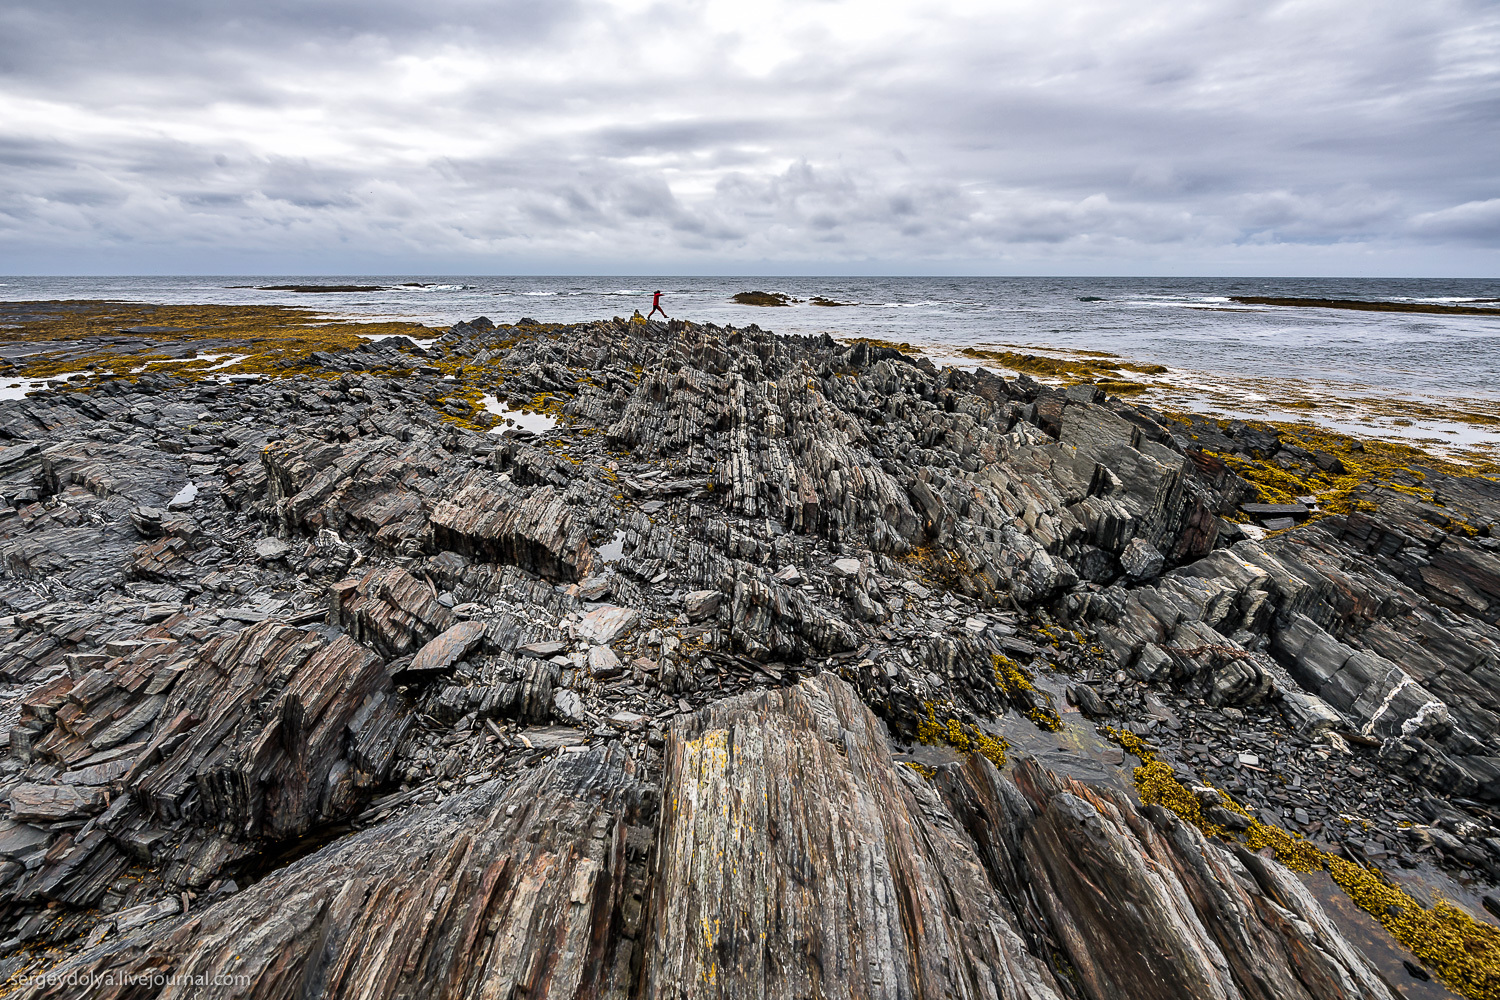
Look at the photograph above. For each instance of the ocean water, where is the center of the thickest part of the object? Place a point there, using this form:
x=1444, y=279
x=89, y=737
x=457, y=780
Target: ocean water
x=1188, y=324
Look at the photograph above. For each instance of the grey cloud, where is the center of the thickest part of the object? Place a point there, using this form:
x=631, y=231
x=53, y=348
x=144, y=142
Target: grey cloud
x=1068, y=133
x=1477, y=221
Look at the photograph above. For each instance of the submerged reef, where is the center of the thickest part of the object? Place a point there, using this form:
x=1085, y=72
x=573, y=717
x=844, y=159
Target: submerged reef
x=630, y=659
x=1366, y=305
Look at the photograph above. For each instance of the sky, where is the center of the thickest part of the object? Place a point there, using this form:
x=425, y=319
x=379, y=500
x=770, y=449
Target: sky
x=1156, y=137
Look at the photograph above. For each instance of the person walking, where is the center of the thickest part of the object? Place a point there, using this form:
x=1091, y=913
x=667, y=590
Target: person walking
x=656, y=306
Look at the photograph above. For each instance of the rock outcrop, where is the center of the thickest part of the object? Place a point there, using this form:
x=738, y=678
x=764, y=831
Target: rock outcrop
x=335, y=673
x=861, y=879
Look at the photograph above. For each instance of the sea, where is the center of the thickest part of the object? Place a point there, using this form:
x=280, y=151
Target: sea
x=1223, y=356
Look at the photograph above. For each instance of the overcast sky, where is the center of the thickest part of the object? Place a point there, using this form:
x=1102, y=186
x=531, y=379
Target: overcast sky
x=812, y=136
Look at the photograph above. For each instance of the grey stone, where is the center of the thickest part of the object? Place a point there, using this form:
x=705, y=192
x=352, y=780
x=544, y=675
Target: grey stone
x=448, y=648
x=568, y=706
x=702, y=604
x=270, y=549
x=1141, y=560
x=604, y=625
x=846, y=567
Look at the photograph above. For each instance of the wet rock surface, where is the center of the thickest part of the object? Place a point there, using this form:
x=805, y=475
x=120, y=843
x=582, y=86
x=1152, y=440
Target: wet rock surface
x=278, y=649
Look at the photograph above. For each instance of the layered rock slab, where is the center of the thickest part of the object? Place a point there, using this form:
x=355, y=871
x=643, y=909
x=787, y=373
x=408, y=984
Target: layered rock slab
x=795, y=858
x=526, y=889
x=253, y=738
x=1141, y=903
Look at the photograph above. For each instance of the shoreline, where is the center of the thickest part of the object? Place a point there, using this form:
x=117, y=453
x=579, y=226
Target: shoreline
x=704, y=525
x=1466, y=430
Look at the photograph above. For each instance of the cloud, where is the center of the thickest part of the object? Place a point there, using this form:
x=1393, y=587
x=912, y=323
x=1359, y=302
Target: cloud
x=633, y=134
x=1477, y=221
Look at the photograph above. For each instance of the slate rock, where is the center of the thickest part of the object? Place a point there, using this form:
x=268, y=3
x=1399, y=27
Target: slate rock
x=49, y=803
x=702, y=604
x=270, y=549
x=604, y=625
x=452, y=645
x=1140, y=560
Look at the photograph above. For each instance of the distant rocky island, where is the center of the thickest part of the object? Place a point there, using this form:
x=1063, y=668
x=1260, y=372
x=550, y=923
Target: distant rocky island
x=627, y=659
x=781, y=299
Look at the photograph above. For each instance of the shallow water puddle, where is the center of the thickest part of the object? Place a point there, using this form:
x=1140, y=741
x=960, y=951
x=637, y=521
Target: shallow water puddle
x=614, y=549
x=1366, y=933
x=1075, y=750
x=17, y=388
x=526, y=420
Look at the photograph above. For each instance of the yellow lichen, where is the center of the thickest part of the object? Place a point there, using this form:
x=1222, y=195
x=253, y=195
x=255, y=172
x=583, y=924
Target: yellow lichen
x=1009, y=676
x=1045, y=718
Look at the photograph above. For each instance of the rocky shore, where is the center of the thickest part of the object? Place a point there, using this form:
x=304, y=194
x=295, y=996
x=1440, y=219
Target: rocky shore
x=630, y=659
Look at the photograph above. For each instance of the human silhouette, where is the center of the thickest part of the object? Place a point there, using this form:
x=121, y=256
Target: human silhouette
x=656, y=306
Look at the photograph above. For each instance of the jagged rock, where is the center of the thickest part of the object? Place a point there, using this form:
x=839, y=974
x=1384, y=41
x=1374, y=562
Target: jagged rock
x=701, y=604
x=263, y=733
x=1068, y=883
x=487, y=519
x=555, y=864
x=1140, y=560
x=390, y=611
x=447, y=649
x=228, y=706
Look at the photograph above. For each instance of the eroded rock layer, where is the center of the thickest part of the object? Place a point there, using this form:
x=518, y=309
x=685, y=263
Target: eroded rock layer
x=350, y=605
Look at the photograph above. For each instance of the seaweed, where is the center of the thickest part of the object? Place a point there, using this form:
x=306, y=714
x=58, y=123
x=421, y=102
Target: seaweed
x=1465, y=952
x=130, y=338
x=1073, y=370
